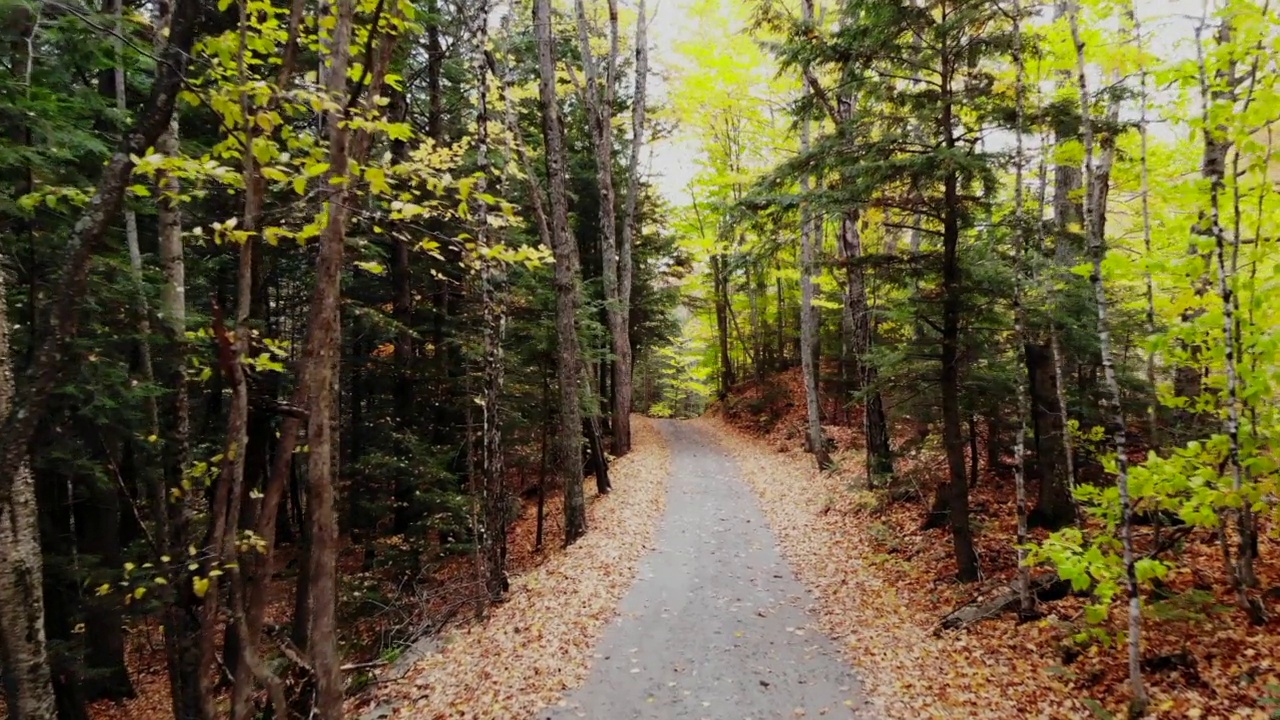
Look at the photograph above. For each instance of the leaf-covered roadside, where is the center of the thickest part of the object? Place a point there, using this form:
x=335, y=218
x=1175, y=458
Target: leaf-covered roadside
x=538, y=644
x=883, y=584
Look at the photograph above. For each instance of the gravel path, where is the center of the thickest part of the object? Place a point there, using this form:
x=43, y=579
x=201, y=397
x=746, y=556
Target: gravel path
x=715, y=627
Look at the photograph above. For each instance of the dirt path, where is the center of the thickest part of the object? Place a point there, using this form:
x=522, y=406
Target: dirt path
x=715, y=626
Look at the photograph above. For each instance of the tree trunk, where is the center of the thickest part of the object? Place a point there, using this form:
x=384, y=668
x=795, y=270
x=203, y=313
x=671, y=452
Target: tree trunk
x=324, y=342
x=135, y=265
x=953, y=298
x=170, y=518
x=595, y=455
x=1216, y=147
x=493, y=492
x=598, y=96
x=862, y=372
x=1097, y=183
x=810, y=241
x=720, y=290
x=565, y=250
x=28, y=684
x=1153, y=400
x=57, y=499
x=623, y=381
x=782, y=341
x=1026, y=603
x=1054, y=507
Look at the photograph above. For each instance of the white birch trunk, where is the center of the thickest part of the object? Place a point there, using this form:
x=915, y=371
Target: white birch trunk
x=808, y=313
x=22, y=639
x=1026, y=604
x=23, y=650
x=1095, y=181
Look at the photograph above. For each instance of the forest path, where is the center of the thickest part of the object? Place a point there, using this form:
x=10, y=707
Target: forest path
x=715, y=626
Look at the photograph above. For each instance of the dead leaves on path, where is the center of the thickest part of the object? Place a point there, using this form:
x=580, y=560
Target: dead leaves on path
x=906, y=671
x=882, y=585
x=539, y=643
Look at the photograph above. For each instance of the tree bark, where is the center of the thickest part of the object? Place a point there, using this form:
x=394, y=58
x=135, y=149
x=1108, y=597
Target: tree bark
x=493, y=492
x=721, y=291
x=1054, y=507
x=98, y=528
x=862, y=371
x=170, y=517
x=953, y=298
x=623, y=383
x=28, y=684
x=1097, y=181
x=598, y=94
x=565, y=250
x=1217, y=145
x=809, y=339
x=1026, y=603
x=324, y=342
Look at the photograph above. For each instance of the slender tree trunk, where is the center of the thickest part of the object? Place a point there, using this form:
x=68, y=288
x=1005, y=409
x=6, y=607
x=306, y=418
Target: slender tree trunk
x=720, y=289
x=250, y=584
x=170, y=517
x=131, y=239
x=28, y=684
x=98, y=535
x=494, y=492
x=953, y=298
x=1054, y=507
x=598, y=96
x=1026, y=603
x=623, y=380
x=809, y=340
x=563, y=247
x=781, y=313
x=1153, y=418
x=1096, y=187
x=57, y=500
x=862, y=372
x=1217, y=145
x=322, y=349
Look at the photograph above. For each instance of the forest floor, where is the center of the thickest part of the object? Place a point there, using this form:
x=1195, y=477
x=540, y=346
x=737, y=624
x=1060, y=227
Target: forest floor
x=539, y=643
x=515, y=661
x=883, y=584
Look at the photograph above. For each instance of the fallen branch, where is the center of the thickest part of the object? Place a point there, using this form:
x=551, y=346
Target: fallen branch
x=977, y=609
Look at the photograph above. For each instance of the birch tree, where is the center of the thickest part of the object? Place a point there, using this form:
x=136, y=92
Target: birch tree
x=1096, y=180
x=810, y=245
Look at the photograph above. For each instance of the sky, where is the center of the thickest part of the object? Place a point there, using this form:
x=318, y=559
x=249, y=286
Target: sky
x=673, y=162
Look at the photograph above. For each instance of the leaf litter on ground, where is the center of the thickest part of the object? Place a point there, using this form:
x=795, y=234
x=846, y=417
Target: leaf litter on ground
x=883, y=584
x=538, y=644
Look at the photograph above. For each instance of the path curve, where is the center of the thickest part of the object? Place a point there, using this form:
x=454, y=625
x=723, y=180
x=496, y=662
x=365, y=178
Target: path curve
x=715, y=627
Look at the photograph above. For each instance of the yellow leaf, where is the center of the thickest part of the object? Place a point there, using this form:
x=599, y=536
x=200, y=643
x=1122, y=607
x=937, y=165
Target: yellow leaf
x=199, y=586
